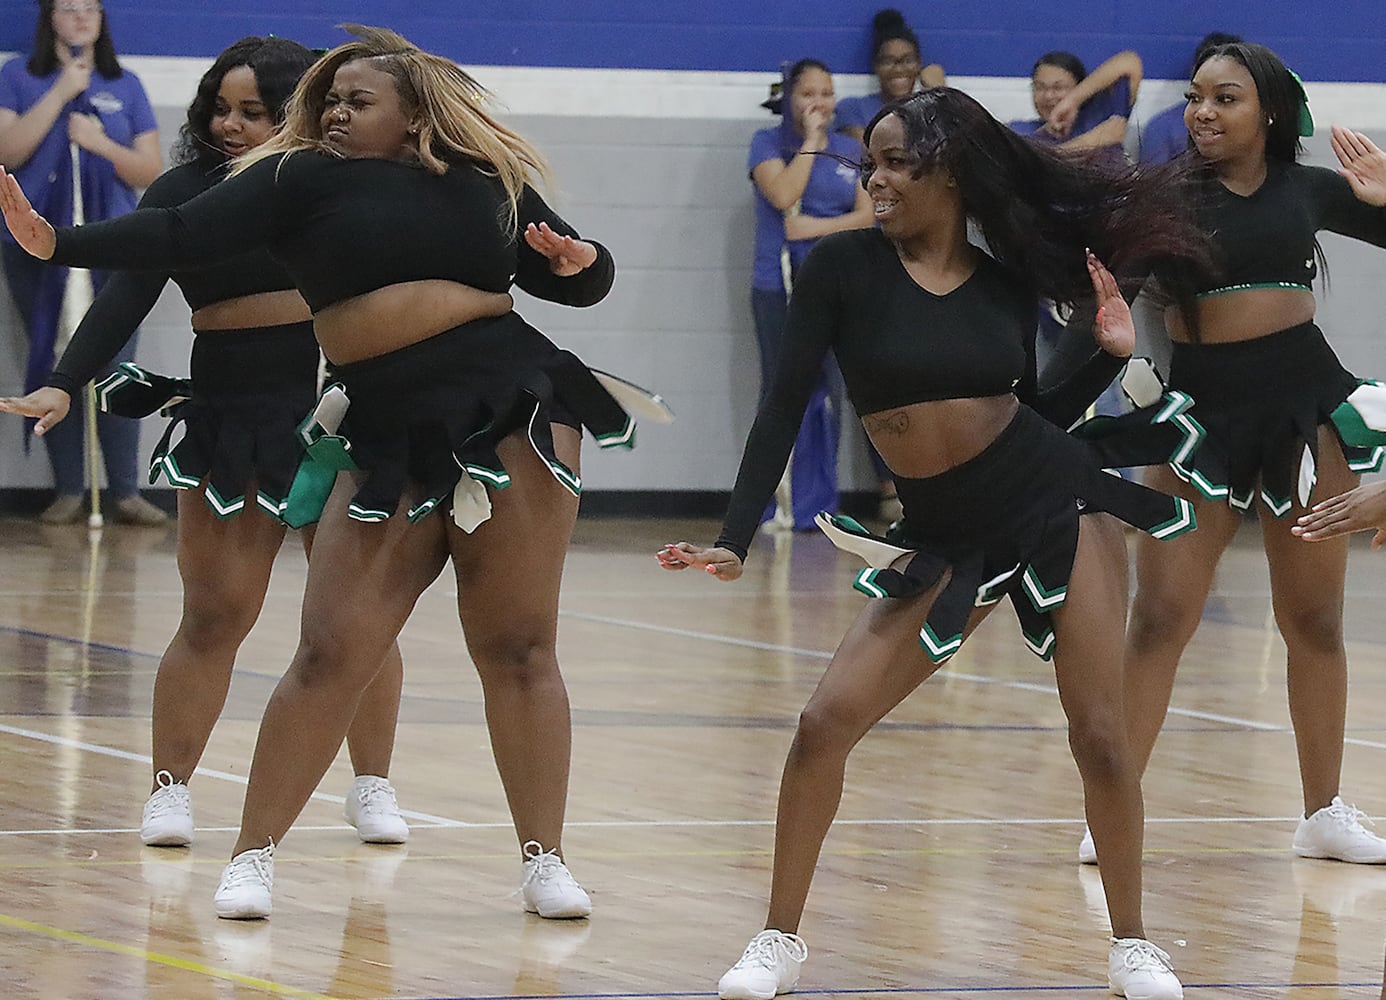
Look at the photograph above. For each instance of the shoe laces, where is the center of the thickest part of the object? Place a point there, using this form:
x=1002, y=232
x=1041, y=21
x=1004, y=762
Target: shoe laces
x=1348, y=816
x=543, y=866
x=171, y=796
x=1140, y=955
x=377, y=795
x=763, y=947
x=249, y=866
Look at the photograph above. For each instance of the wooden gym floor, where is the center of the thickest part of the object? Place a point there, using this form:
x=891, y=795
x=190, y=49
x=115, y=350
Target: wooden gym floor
x=950, y=872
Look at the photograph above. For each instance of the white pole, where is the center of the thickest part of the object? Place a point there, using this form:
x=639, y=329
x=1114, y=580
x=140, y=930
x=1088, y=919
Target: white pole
x=78, y=293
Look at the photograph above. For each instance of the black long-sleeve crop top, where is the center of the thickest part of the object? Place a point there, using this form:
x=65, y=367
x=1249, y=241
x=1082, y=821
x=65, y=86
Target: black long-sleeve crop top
x=896, y=344
x=128, y=296
x=1266, y=239
x=346, y=227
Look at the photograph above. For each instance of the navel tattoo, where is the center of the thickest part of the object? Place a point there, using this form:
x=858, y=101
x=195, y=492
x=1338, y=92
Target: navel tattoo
x=897, y=422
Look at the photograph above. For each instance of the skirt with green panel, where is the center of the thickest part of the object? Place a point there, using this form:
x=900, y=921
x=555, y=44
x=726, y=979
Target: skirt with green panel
x=232, y=424
x=1262, y=403
x=1006, y=522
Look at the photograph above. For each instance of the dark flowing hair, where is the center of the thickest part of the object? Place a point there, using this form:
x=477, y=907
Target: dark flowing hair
x=1039, y=210
x=1280, y=94
x=887, y=26
x=277, y=63
x=43, y=58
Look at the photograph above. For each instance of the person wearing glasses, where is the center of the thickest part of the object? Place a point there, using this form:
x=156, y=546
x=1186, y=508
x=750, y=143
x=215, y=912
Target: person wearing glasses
x=1079, y=110
x=900, y=71
x=70, y=90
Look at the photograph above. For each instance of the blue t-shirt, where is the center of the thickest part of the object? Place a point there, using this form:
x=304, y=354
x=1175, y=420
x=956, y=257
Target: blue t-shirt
x=857, y=112
x=1115, y=100
x=831, y=191
x=46, y=175
x=1164, y=136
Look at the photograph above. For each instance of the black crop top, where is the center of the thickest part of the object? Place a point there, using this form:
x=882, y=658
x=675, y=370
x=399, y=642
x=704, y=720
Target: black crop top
x=346, y=227
x=1266, y=239
x=897, y=344
x=128, y=296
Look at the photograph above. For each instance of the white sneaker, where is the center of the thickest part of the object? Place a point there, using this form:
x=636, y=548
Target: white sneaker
x=167, y=820
x=372, y=809
x=549, y=889
x=1336, y=832
x=247, y=883
x=768, y=967
x=1137, y=970
x=1087, y=850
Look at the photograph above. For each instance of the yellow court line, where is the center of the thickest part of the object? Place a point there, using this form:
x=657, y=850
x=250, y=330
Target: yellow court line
x=73, y=937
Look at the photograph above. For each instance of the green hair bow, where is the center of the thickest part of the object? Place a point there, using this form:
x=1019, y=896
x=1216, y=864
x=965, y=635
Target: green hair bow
x=1306, y=120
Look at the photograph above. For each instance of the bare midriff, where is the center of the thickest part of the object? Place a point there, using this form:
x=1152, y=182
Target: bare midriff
x=396, y=316
x=1236, y=316
x=929, y=438
x=252, y=312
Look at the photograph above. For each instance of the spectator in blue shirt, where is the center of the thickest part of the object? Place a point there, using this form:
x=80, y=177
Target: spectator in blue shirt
x=1165, y=136
x=900, y=71
x=71, y=89
x=806, y=186
x=1081, y=110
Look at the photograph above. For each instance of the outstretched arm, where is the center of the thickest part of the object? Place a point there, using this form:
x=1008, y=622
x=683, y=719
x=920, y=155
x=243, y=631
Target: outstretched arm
x=240, y=213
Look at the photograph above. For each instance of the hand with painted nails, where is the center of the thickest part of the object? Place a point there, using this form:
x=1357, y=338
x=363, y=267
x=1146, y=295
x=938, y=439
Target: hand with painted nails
x=1113, y=329
x=721, y=563
x=1362, y=509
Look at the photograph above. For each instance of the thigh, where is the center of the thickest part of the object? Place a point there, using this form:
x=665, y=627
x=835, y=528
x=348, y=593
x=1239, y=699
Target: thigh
x=1177, y=573
x=364, y=578
x=229, y=559
x=1309, y=577
x=879, y=662
x=1089, y=629
x=509, y=569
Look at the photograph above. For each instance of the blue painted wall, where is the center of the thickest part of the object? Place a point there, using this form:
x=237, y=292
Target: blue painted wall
x=1339, y=40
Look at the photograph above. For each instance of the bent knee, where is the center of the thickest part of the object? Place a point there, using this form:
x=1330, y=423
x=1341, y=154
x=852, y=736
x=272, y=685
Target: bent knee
x=1100, y=749
x=215, y=617
x=827, y=730
x=1157, y=624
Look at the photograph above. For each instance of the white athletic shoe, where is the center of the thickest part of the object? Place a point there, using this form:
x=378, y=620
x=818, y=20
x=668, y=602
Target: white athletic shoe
x=167, y=819
x=1336, y=832
x=1087, y=851
x=372, y=809
x=1137, y=970
x=549, y=889
x=247, y=884
x=768, y=967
